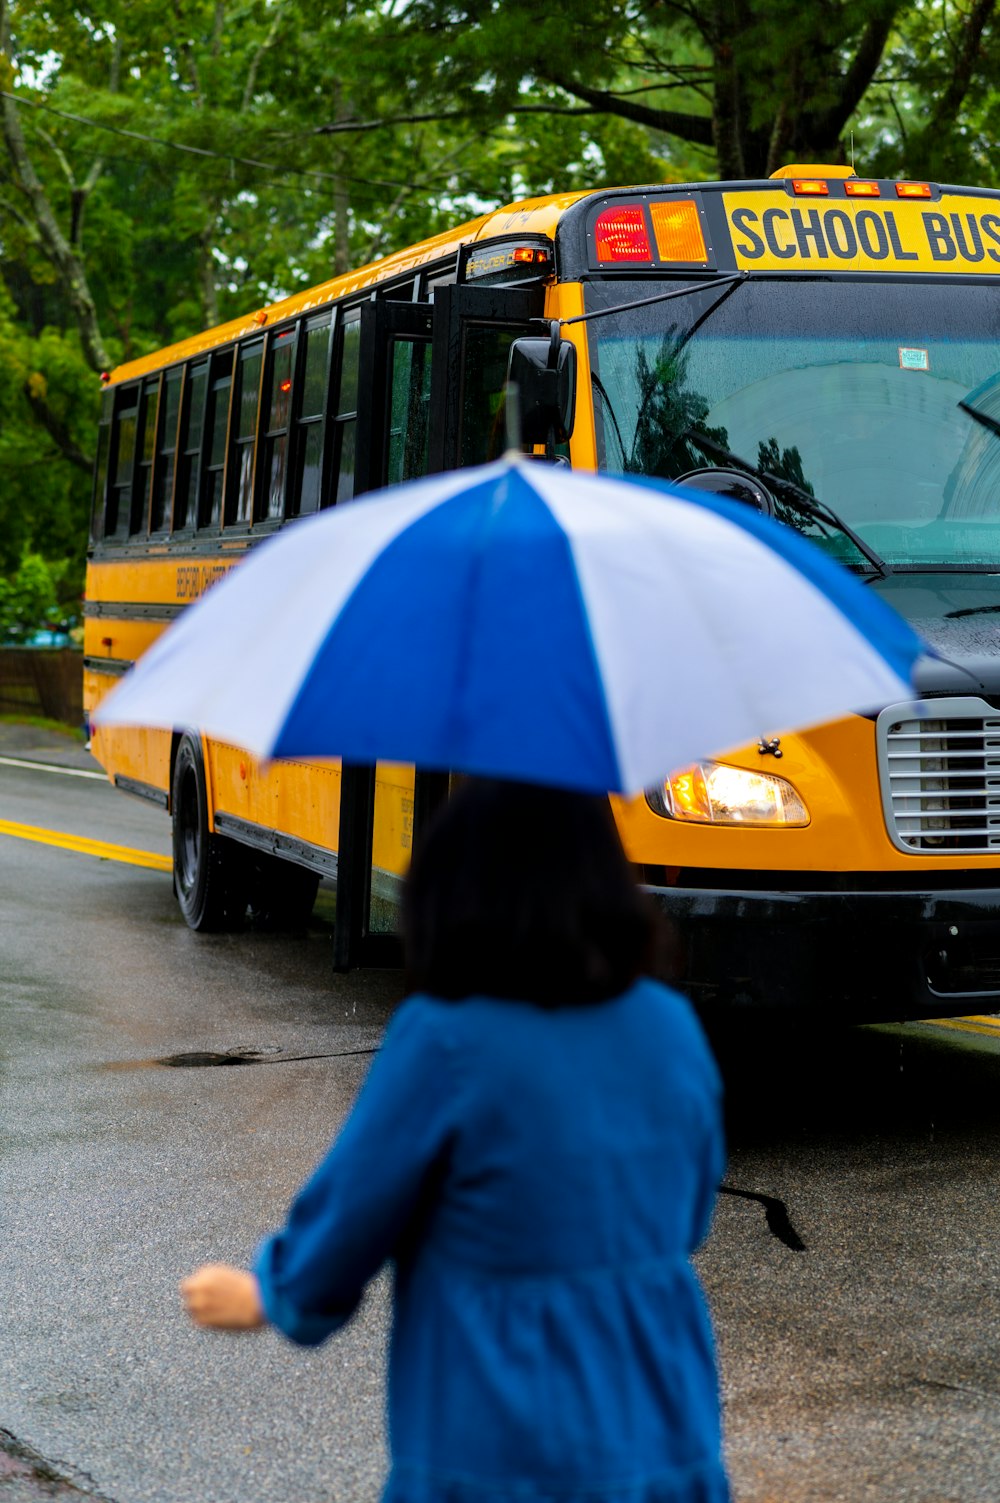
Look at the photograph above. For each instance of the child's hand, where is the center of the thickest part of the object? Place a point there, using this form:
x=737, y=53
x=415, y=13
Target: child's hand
x=225, y=1298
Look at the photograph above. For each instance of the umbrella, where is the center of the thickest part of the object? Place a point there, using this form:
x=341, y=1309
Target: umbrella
x=521, y=620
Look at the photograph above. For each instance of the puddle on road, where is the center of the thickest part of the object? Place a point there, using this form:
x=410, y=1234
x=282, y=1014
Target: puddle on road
x=204, y=1059
x=23, y=1468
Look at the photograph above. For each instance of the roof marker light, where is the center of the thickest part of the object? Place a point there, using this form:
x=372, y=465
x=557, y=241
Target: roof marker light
x=861, y=188
x=913, y=190
x=810, y=185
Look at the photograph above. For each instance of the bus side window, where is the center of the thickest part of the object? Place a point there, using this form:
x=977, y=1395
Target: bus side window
x=239, y=501
x=304, y=493
x=346, y=412
x=123, y=435
x=145, y=452
x=277, y=407
x=163, y=474
x=409, y=406
x=101, y=468
x=214, y=448
x=484, y=360
x=189, y=446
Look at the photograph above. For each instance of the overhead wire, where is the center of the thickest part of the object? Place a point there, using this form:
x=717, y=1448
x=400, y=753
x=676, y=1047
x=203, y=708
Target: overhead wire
x=222, y=156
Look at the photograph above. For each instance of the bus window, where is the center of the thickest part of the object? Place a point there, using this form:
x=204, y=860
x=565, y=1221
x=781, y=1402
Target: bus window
x=484, y=361
x=214, y=450
x=189, y=446
x=409, y=406
x=163, y=476
x=346, y=422
x=304, y=494
x=118, y=519
x=146, y=451
x=239, y=503
x=278, y=408
x=101, y=468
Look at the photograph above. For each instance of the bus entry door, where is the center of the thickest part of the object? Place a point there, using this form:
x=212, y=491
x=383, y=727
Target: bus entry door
x=431, y=398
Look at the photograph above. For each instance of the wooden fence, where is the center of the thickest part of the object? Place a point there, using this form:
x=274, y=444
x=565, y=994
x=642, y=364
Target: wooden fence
x=46, y=681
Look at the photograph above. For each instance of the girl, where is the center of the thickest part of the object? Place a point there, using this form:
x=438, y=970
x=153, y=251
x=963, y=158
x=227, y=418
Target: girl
x=536, y=1149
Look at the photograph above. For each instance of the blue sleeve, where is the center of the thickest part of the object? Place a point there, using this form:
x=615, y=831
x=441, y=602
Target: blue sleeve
x=350, y=1215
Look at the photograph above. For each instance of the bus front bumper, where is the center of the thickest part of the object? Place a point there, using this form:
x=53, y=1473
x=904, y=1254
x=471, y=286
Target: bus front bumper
x=861, y=956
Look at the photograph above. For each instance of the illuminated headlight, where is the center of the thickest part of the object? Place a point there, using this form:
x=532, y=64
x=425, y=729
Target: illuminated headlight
x=712, y=793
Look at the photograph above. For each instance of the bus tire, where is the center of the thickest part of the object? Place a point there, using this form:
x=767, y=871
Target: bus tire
x=281, y=894
x=208, y=869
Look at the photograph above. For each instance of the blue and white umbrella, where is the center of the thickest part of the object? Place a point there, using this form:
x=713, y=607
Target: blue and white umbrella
x=524, y=621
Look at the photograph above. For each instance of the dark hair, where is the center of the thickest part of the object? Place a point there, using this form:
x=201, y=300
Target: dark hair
x=524, y=892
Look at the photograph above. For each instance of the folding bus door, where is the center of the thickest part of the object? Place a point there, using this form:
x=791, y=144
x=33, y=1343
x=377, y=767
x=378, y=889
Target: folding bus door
x=432, y=398
x=380, y=814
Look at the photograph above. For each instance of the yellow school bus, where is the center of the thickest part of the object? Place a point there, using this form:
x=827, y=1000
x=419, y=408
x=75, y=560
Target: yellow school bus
x=819, y=345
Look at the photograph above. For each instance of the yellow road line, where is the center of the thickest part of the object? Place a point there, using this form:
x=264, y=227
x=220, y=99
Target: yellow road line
x=974, y=1024
x=86, y=847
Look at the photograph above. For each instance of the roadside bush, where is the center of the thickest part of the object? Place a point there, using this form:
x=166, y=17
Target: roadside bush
x=30, y=607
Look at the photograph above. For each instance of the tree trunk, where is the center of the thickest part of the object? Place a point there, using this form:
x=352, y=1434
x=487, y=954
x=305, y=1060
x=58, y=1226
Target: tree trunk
x=52, y=241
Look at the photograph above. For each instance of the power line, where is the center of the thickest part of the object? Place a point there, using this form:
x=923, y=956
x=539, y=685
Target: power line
x=203, y=151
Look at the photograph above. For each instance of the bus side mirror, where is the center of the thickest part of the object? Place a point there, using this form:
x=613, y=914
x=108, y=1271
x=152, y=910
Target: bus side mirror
x=544, y=373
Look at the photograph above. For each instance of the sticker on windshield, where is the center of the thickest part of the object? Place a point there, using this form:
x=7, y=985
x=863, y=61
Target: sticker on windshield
x=914, y=360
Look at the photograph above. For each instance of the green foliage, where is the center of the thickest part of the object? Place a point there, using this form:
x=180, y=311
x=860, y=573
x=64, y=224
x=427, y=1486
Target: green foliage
x=204, y=158
x=44, y=499
x=33, y=599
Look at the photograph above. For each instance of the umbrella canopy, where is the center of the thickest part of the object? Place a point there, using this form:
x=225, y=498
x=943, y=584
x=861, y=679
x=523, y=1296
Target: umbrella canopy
x=524, y=621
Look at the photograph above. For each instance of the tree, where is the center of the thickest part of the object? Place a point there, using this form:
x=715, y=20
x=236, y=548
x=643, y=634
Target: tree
x=166, y=167
x=934, y=112
x=757, y=83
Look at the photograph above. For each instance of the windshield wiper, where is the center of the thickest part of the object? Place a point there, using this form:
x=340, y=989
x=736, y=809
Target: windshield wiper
x=726, y=279
x=981, y=417
x=794, y=495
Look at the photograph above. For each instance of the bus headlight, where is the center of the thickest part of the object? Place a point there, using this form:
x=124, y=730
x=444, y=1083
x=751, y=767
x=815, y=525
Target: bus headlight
x=712, y=793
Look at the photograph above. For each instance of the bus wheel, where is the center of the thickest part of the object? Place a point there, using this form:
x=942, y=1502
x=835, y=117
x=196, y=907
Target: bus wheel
x=281, y=894
x=208, y=869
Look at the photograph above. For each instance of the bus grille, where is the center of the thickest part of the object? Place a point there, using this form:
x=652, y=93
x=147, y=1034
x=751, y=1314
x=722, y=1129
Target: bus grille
x=940, y=775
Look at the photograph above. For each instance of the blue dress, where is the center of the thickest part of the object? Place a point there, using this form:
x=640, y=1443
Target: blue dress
x=538, y=1179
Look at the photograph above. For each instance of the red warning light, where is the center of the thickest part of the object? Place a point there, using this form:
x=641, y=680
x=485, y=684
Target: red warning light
x=620, y=234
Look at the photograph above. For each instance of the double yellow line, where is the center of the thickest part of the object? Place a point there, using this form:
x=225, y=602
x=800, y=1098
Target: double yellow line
x=100, y=848
x=989, y=1027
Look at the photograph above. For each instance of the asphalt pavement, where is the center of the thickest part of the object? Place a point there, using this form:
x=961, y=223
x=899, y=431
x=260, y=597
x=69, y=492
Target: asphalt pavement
x=36, y=743
x=851, y=1271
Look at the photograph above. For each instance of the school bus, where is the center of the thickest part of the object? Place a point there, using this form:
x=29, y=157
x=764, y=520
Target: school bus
x=819, y=345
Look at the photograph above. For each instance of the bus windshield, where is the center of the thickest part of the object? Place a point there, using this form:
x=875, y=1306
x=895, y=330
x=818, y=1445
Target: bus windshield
x=879, y=399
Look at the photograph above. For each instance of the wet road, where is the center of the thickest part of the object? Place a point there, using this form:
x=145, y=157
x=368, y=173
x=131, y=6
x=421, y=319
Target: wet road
x=862, y=1364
